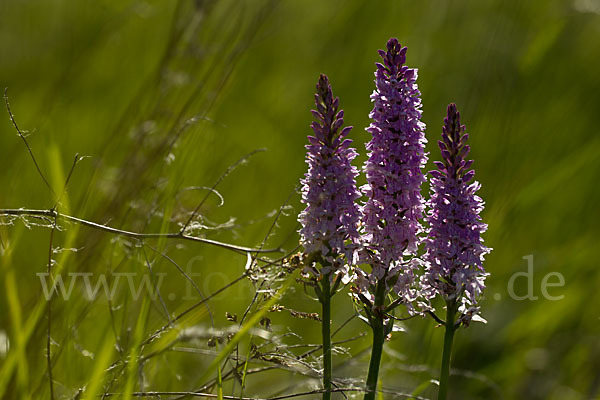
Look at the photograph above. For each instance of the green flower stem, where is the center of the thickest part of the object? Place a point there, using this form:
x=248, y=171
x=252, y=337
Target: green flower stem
x=451, y=308
x=326, y=333
x=377, y=325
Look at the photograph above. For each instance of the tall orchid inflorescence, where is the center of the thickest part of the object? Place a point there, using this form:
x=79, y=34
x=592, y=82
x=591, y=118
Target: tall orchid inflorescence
x=394, y=175
x=454, y=247
x=329, y=231
x=391, y=216
x=330, y=219
x=386, y=232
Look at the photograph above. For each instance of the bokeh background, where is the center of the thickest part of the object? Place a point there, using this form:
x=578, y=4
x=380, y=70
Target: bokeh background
x=160, y=96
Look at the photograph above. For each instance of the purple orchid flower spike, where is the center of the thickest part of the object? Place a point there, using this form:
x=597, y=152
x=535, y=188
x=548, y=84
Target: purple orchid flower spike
x=394, y=176
x=330, y=219
x=391, y=216
x=454, y=249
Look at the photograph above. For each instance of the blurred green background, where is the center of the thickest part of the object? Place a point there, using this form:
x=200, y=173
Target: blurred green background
x=162, y=96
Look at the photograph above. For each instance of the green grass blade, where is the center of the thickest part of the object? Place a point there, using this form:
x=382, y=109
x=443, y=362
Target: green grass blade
x=101, y=364
x=135, y=349
x=246, y=328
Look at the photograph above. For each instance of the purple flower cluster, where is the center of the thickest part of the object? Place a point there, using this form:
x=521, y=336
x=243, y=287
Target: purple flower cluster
x=330, y=219
x=386, y=231
x=454, y=247
x=394, y=173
